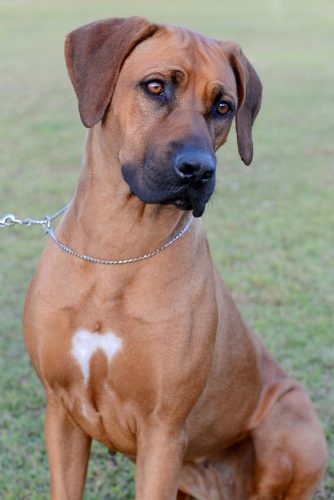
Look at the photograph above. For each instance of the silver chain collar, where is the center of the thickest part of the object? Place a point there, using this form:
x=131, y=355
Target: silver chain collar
x=9, y=220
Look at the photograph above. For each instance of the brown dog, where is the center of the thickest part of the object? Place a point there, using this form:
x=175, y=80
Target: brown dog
x=152, y=358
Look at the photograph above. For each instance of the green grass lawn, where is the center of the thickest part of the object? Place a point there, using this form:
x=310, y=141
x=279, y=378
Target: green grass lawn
x=271, y=226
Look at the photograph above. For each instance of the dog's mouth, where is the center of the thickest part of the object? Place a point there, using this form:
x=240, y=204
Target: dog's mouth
x=192, y=201
x=149, y=189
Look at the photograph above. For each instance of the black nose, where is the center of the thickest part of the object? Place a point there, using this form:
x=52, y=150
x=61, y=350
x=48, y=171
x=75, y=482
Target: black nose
x=195, y=165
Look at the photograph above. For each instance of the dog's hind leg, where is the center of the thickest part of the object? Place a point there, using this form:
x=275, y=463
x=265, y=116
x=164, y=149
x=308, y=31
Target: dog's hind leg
x=224, y=475
x=68, y=450
x=290, y=450
x=284, y=458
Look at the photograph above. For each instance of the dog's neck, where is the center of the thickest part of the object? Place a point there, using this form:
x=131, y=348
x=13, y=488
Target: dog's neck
x=109, y=221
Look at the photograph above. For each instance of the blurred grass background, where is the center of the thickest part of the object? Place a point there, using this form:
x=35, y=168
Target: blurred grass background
x=270, y=226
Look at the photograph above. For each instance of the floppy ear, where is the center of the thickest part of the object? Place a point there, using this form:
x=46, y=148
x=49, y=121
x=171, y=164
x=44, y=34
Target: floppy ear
x=249, y=99
x=94, y=57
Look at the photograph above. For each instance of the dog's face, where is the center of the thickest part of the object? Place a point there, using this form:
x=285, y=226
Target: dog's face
x=172, y=95
x=175, y=99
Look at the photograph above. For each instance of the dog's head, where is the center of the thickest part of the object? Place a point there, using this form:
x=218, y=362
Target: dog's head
x=172, y=96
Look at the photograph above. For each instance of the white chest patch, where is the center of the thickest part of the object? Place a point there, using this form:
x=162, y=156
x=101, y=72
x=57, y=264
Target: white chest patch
x=85, y=344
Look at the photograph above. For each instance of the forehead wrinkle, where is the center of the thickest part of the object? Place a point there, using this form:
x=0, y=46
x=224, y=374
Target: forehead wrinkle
x=200, y=58
x=219, y=89
x=169, y=72
x=181, y=48
x=186, y=46
x=184, y=37
x=208, y=58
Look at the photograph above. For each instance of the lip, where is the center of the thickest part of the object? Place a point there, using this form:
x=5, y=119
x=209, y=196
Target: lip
x=185, y=197
x=197, y=206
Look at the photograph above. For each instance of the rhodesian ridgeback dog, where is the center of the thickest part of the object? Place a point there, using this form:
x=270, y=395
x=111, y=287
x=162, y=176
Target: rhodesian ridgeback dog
x=150, y=356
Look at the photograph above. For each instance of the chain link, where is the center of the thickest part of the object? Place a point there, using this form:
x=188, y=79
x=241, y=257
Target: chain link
x=9, y=220
x=87, y=258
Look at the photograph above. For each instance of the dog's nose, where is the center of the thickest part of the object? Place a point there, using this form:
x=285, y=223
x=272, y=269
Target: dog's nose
x=193, y=166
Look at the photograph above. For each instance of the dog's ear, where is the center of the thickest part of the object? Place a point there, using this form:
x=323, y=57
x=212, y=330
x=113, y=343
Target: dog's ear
x=249, y=99
x=94, y=57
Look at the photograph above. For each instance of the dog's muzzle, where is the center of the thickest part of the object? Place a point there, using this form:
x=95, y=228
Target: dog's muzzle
x=186, y=180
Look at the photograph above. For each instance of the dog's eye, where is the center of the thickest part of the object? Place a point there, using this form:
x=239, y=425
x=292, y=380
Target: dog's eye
x=155, y=87
x=223, y=108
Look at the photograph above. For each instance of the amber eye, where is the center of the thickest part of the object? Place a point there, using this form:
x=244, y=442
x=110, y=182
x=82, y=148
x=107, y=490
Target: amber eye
x=155, y=87
x=223, y=108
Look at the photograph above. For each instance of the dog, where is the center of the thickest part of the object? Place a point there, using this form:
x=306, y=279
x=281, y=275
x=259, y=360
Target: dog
x=150, y=356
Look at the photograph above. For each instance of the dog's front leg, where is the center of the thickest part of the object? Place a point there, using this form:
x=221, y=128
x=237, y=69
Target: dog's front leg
x=158, y=464
x=68, y=450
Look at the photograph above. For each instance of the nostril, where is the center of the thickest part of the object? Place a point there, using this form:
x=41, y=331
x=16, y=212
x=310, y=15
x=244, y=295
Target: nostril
x=207, y=175
x=194, y=172
x=187, y=169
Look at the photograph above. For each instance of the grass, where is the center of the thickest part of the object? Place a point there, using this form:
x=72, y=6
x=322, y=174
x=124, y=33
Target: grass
x=270, y=226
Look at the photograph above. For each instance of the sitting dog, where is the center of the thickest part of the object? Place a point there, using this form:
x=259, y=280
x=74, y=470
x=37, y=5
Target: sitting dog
x=149, y=355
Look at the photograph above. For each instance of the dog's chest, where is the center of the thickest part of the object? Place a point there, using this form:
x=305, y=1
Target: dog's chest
x=86, y=374
x=103, y=376
x=85, y=344
x=112, y=353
